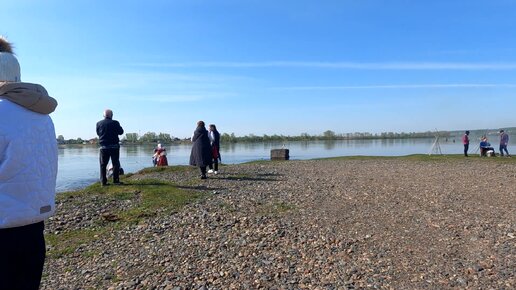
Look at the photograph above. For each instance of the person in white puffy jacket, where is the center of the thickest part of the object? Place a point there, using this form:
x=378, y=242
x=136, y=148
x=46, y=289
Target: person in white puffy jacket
x=28, y=169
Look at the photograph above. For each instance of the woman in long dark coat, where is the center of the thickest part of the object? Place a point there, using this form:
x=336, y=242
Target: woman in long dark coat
x=214, y=136
x=201, y=149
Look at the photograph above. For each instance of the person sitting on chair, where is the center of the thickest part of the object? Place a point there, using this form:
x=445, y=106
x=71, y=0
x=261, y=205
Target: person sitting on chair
x=485, y=146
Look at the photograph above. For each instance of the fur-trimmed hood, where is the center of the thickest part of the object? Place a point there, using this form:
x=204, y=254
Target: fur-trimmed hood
x=30, y=96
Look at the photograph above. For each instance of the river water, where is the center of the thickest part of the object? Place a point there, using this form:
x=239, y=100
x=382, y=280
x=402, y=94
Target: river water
x=79, y=165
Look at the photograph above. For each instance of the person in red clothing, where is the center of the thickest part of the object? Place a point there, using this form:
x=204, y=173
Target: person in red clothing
x=465, y=141
x=160, y=156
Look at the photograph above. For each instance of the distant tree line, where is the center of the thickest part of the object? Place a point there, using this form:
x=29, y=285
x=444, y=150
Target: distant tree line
x=149, y=137
x=129, y=138
x=152, y=137
x=61, y=140
x=330, y=135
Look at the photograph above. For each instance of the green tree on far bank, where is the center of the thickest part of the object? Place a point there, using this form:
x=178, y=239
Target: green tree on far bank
x=164, y=138
x=131, y=137
x=329, y=134
x=149, y=137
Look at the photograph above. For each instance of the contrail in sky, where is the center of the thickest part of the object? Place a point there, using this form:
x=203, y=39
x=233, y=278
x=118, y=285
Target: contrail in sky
x=402, y=86
x=340, y=65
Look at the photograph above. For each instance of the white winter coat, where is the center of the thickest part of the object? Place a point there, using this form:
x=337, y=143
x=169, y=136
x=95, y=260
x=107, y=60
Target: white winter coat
x=28, y=162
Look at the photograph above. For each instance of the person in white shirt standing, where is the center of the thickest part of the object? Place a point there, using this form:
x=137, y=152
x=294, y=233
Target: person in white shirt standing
x=28, y=170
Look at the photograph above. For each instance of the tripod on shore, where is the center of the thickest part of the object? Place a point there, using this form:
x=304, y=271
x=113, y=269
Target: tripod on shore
x=436, y=146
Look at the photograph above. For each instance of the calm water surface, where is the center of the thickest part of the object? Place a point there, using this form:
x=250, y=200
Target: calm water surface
x=79, y=165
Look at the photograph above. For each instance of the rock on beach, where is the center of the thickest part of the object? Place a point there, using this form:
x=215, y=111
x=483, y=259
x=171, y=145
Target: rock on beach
x=379, y=223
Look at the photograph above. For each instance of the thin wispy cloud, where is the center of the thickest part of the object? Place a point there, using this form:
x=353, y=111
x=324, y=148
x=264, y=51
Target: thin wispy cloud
x=171, y=98
x=186, y=87
x=474, y=51
x=180, y=98
x=402, y=86
x=338, y=65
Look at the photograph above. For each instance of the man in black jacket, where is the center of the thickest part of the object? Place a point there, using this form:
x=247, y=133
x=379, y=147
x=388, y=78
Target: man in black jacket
x=108, y=131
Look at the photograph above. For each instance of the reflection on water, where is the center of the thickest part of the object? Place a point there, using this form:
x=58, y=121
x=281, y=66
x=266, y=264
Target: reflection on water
x=133, y=150
x=78, y=165
x=329, y=144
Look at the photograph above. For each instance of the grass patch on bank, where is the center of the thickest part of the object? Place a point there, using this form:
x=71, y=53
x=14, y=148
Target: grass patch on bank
x=136, y=201
x=424, y=157
x=264, y=161
x=276, y=208
x=158, y=197
x=178, y=168
x=149, y=196
x=413, y=157
x=67, y=243
x=283, y=207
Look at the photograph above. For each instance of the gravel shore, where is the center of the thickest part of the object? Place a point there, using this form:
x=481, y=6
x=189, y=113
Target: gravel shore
x=381, y=223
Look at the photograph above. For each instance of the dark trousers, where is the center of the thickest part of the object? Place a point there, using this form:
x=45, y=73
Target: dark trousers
x=203, y=170
x=466, y=148
x=502, y=148
x=215, y=164
x=114, y=154
x=22, y=256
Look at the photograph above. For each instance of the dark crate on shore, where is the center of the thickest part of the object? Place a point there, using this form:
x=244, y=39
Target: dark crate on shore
x=280, y=154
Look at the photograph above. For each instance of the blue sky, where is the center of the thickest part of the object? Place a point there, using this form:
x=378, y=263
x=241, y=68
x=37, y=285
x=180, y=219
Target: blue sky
x=270, y=67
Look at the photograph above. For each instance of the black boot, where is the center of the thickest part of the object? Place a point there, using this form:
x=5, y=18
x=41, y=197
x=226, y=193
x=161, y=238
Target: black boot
x=203, y=172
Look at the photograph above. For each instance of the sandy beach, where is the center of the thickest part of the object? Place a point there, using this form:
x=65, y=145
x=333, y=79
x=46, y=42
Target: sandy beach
x=344, y=223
